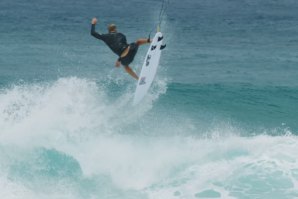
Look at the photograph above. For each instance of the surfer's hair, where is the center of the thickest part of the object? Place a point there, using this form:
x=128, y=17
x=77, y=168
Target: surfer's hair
x=112, y=27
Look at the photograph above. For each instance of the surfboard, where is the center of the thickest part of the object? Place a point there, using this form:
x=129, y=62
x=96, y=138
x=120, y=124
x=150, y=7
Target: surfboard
x=149, y=68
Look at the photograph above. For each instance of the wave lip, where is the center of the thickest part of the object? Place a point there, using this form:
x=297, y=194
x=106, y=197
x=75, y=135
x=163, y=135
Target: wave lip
x=49, y=110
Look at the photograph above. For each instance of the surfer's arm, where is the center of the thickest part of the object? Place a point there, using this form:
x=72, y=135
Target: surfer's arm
x=93, y=32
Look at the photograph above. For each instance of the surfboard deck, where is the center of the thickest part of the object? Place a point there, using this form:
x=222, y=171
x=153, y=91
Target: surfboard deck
x=149, y=68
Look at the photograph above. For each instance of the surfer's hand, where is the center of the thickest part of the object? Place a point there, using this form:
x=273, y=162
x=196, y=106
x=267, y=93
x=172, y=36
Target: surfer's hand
x=118, y=63
x=94, y=21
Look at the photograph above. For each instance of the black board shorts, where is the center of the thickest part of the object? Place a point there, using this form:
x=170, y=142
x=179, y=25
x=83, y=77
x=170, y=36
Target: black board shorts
x=133, y=49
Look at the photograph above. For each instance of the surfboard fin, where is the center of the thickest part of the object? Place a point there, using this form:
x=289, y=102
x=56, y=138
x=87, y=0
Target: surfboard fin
x=153, y=47
x=160, y=38
x=163, y=46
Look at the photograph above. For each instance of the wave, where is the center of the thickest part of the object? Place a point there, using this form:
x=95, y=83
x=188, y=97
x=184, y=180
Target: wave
x=72, y=138
x=134, y=167
x=255, y=108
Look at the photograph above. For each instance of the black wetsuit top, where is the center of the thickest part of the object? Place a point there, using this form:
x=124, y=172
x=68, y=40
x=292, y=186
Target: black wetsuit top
x=116, y=41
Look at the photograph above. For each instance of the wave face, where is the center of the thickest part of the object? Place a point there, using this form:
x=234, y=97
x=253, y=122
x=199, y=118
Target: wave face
x=220, y=120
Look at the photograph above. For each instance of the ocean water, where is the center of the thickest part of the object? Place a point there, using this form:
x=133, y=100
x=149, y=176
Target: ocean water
x=220, y=120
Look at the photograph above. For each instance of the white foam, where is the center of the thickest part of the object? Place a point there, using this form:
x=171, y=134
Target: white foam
x=10, y=190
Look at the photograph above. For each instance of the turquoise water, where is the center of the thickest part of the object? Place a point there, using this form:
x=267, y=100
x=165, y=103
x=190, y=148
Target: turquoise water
x=220, y=120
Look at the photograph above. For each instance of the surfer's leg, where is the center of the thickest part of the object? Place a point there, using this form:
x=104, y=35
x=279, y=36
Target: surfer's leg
x=142, y=41
x=131, y=72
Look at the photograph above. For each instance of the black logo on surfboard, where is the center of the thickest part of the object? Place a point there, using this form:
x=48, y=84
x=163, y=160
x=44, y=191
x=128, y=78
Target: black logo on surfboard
x=153, y=48
x=148, y=60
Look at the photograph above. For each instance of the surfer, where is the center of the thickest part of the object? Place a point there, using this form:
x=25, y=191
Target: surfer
x=118, y=44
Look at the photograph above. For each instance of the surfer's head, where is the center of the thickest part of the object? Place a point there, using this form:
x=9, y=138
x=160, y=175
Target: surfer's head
x=112, y=28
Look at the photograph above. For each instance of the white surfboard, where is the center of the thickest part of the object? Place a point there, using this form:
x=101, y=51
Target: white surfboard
x=149, y=68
